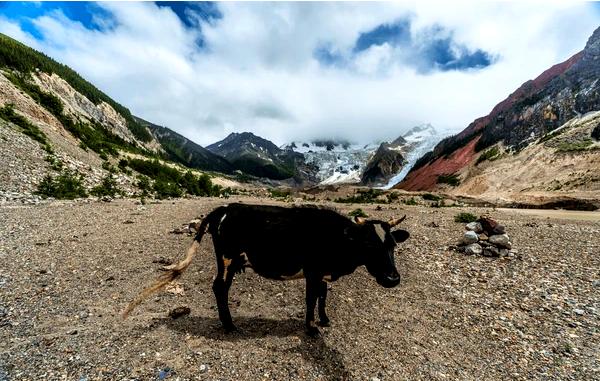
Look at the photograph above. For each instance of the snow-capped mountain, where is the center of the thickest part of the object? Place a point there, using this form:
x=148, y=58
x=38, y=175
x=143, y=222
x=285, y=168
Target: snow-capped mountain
x=419, y=140
x=344, y=162
x=337, y=161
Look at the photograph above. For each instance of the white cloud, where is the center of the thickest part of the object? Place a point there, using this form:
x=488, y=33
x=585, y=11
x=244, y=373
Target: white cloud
x=258, y=71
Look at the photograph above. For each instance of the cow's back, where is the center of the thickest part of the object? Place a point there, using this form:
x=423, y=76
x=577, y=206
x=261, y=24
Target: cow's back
x=279, y=241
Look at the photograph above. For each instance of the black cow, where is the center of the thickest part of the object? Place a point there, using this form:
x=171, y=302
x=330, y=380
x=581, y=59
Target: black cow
x=280, y=243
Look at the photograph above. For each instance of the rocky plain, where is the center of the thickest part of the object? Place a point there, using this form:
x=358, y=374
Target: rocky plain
x=68, y=268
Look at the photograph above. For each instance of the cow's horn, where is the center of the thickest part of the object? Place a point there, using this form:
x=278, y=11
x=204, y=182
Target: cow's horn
x=395, y=221
x=359, y=220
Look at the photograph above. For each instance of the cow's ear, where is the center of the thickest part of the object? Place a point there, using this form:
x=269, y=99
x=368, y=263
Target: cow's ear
x=400, y=235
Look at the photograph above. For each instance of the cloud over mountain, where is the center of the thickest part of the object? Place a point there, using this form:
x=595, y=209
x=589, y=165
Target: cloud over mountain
x=286, y=71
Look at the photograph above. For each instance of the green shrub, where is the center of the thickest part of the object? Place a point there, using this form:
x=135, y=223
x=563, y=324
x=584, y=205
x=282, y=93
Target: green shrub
x=108, y=187
x=465, y=218
x=54, y=162
x=7, y=112
x=490, y=154
x=358, y=213
x=391, y=197
x=450, y=179
x=368, y=196
x=439, y=204
x=164, y=188
x=410, y=201
x=67, y=185
x=431, y=197
x=278, y=193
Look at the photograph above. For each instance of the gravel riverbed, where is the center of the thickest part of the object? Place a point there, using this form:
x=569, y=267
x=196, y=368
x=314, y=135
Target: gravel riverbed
x=67, y=270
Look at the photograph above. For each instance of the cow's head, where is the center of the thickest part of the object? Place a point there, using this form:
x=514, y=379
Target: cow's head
x=374, y=242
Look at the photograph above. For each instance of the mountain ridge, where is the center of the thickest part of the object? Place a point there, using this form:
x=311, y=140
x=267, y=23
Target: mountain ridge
x=538, y=107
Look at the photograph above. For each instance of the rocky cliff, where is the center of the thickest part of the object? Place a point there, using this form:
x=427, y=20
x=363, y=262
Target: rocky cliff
x=52, y=121
x=537, y=108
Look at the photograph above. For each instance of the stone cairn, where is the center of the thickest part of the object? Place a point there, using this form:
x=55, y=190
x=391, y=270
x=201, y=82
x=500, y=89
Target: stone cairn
x=486, y=237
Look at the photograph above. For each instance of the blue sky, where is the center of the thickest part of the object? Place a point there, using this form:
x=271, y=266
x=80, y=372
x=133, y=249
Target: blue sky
x=362, y=71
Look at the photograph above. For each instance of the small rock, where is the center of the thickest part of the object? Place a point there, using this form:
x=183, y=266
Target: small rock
x=579, y=311
x=203, y=368
x=501, y=240
x=474, y=226
x=491, y=251
x=473, y=249
x=504, y=252
x=470, y=237
x=432, y=224
x=179, y=312
x=162, y=261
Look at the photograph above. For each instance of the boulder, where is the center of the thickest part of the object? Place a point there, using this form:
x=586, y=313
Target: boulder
x=470, y=237
x=500, y=240
x=490, y=226
x=474, y=226
x=473, y=249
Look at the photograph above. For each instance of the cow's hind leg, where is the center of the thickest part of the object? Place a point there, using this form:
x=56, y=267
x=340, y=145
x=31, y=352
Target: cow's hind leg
x=312, y=293
x=222, y=283
x=323, y=319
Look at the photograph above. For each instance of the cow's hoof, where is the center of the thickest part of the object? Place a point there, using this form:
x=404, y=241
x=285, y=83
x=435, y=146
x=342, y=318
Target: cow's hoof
x=313, y=331
x=324, y=323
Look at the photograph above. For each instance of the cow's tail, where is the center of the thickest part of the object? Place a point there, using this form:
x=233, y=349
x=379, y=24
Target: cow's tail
x=176, y=270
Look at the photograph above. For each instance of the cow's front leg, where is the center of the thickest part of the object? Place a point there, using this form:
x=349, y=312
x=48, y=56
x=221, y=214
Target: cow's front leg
x=323, y=319
x=312, y=293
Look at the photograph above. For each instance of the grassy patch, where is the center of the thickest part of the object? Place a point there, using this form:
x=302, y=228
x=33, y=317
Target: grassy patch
x=7, y=112
x=68, y=185
x=450, y=179
x=465, y=218
x=575, y=146
x=552, y=134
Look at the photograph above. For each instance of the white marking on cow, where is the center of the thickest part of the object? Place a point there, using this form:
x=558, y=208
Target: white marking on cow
x=298, y=275
x=220, y=222
x=246, y=260
x=380, y=232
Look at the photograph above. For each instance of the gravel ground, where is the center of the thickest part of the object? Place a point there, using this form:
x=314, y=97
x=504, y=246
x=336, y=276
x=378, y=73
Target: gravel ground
x=67, y=269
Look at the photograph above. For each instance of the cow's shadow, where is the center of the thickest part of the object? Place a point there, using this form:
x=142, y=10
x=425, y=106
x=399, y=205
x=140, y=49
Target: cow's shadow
x=313, y=349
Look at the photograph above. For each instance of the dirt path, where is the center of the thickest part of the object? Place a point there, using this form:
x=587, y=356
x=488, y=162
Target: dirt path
x=560, y=214
x=68, y=269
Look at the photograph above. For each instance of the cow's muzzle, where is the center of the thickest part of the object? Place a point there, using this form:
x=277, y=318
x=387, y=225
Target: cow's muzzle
x=389, y=280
